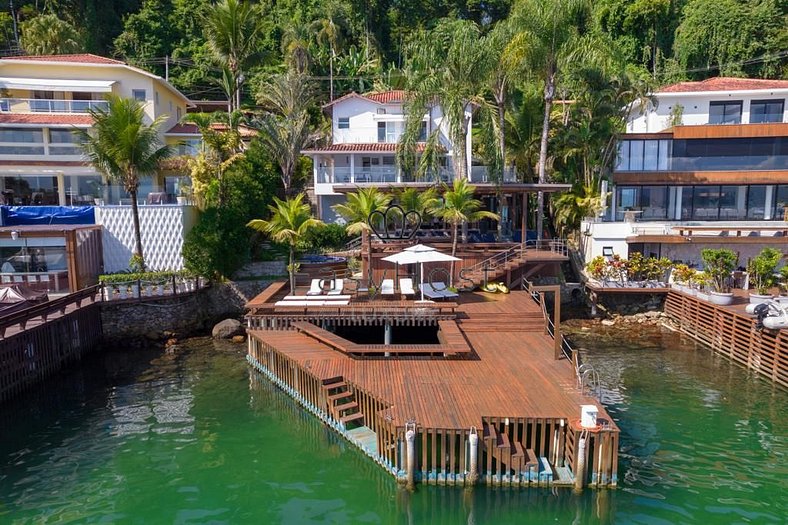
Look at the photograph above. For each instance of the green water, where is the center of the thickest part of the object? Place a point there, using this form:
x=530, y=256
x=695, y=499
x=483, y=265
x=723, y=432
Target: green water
x=139, y=437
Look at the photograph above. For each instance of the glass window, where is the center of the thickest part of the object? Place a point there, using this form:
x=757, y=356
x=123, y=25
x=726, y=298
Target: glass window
x=30, y=190
x=622, y=163
x=756, y=202
x=781, y=210
x=654, y=202
x=381, y=132
x=636, y=155
x=21, y=135
x=423, y=132
x=755, y=153
x=706, y=203
x=138, y=95
x=733, y=200
x=343, y=123
x=762, y=111
x=178, y=114
x=650, y=155
x=62, y=136
x=663, y=162
x=728, y=112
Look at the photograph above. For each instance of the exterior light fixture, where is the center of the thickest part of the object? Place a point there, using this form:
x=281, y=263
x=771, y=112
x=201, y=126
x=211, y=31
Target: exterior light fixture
x=14, y=234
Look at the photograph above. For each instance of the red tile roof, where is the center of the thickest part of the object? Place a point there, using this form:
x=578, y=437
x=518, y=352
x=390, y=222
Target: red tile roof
x=83, y=58
x=386, y=97
x=725, y=84
x=383, y=147
x=46, y=118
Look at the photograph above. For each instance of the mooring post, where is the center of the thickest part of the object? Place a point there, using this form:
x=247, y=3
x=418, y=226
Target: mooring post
x=387, y=336
x=410, y=438
x=473, y=467
x=581, y=462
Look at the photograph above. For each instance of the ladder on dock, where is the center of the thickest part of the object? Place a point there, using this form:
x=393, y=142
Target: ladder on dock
x=342, y=403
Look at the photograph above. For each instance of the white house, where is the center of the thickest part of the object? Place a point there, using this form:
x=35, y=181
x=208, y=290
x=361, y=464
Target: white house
x=365, y=130
x=705, y=165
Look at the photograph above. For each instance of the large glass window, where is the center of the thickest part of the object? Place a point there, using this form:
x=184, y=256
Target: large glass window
x=654, y=202
x=781, y=208
x=727, y=112
x=21, y=135
x=636, y=155
x=643, y=155
x=706, y=203
x=650, y=155
x=63, y=142
x=762, y=111
x=27, y=190
x=756, y=202
x=732, y=201
x=82, y=190
x=757, y=153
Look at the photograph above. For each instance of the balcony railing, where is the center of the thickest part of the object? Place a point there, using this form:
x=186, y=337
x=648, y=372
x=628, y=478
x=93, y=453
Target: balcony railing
x=374, y=175
x=30, y=105
x=481, y=174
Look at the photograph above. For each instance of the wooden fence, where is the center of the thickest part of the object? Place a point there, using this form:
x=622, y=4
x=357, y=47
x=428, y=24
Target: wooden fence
x=732, y=334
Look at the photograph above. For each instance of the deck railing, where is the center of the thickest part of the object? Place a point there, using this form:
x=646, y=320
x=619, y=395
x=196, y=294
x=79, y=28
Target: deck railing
x=143, y=289
x=38, y=105
x=45, y=310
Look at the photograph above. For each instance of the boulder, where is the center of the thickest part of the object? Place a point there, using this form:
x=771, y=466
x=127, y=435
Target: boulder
x=227, y=329
x=608, y=322
x=238, y=339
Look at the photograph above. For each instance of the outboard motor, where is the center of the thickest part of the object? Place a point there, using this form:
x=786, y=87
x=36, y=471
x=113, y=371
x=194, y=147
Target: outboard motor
x=761, y=312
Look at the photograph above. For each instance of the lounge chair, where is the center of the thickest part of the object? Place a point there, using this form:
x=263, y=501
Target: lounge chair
x=337, y=287
x=437, y=290
x=387, y=287
x=314, y=288
x=406, y=287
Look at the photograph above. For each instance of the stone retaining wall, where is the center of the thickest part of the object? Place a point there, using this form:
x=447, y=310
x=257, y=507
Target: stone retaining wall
x=182, y=314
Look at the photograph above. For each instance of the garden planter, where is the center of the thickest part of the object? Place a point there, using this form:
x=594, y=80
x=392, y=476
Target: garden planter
x=758, y=298
x=122, y=292
x=107, y=291
x=135, y=290
x=720, y=298
x=703, y=296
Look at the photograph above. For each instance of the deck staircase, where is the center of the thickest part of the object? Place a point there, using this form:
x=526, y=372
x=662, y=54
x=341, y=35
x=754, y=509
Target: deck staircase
x=342, y=404
x=503, y=264
x=527, y=321
x=513, y=456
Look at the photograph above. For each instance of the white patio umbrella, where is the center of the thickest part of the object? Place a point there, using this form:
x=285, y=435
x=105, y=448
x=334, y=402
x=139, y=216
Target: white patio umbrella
x=419, y=253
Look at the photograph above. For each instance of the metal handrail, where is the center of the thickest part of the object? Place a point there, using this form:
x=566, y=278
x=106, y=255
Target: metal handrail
x=503, y=257
x=39, y=105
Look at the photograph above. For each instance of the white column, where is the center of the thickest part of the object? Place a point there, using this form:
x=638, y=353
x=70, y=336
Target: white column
x=679, y=203
x=768, y=204
x=352, y=169
x=61, y=189
x=314, y=170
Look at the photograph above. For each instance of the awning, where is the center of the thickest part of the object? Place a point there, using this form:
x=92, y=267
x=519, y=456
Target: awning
x=56, y=84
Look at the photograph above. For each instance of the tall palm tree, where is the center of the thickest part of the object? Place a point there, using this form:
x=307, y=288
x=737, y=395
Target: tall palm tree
x=233, y=30
x=460, y=207
x=329, y=31
x=290, y=221
x=357, y=210
x=124, y=149
x=445, y=69
x=421, y=201
x=549, y=36
x=295, y=46
x=286, y=94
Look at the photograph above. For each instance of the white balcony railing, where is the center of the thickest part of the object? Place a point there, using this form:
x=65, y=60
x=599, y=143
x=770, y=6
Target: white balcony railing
x=30, y=105
x=373, y=175
x=481, y=174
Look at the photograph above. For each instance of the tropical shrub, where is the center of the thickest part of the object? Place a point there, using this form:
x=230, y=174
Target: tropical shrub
x=762, y=268
x=683, y=274
x=597, y=267
x=719, y=264
x=331, y=237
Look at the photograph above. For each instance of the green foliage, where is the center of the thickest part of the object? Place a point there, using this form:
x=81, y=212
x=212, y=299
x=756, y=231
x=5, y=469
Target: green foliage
x=48, y=35
x=459, y=206
x=597, y=267
x=683, y=274
x=762, y=268
x=719, y=264
x=147, y=277
x=332, y=237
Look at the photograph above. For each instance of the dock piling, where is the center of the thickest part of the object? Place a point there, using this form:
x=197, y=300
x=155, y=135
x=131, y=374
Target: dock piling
x=581, y=461
x=410, y=438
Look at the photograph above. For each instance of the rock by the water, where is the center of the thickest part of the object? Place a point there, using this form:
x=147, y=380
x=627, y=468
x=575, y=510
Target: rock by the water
x=238, y=339
x=227, y=329
x=608, y=322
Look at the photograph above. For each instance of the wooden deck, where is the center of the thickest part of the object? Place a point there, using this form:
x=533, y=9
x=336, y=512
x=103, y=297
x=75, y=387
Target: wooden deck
x=501, y=371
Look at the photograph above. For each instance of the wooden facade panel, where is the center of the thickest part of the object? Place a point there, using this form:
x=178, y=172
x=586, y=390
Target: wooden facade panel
x=662, y=178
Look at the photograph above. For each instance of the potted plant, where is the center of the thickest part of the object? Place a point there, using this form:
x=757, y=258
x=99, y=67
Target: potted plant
x=701, y=283
x=683, y=277
x=597, y=268
x=636, y=269
x=184, y=194
x=719, y=265
x=617, y=268
x=761, y=269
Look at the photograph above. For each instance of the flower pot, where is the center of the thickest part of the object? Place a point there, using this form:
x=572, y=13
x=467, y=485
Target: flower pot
x=720, y=298
x=758, y=298
x=122, y=291
x=703, y=296
x=182, y=201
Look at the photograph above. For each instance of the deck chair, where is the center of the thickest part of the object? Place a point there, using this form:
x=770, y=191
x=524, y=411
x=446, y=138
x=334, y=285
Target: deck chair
x=314, y=288
x=387, y=287
x=337, y=287
x=406, y=287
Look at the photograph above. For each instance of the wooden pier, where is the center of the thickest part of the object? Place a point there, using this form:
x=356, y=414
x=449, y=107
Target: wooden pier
x=38, y=341
x=485, y=402
x=729, y=331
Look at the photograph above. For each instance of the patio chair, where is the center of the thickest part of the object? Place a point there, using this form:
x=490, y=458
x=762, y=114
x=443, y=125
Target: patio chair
x=314, y=288
x=406, y=287
x=337, y=287
x=387, y=287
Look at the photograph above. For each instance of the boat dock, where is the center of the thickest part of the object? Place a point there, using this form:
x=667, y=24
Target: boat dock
x=484, y=401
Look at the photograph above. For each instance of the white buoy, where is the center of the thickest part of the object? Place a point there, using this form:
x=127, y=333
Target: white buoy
x=410, y=438
x=473, y=468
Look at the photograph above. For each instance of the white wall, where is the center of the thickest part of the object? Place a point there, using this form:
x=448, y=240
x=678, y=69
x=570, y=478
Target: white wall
x=163, y=229
x=696, y=108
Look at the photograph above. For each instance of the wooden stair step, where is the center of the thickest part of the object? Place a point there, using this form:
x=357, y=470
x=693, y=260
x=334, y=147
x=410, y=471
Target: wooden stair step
x=334, y=386
x=351, y=417
x=503, y=441
x=330, y=380
x=341, y=395
x=346, y=406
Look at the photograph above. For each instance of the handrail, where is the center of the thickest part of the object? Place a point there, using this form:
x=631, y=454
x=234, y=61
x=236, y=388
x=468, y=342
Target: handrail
x=353, y=244
x=503, y=257
x=43, y=310
x=46, y=105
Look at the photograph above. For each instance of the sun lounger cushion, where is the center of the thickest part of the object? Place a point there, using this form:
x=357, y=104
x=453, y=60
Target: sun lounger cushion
x=314, y=288
x=387, y=287
x=337, y=287
x=437, y=291
x=406, y=286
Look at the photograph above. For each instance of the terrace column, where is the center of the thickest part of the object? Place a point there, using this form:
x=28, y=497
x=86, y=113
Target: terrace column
x=768, y=204
x=524, y=219
x=61, y=189
x=352, y=169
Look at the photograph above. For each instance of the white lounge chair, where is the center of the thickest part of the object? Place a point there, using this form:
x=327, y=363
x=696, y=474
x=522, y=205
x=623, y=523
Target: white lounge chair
x=387, y=287
x=406, y=286
x=437, y=290
x=314, y=287
x=337, y=286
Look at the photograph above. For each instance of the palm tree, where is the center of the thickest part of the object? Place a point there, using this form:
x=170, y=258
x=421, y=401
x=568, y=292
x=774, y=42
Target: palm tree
x=233, y=30
x=290, y=221
x=422, y=201
x=446, y=69
x=49, y=35
x=123, y=148
x=460, y=207
x=295, y=46
x=286, y=94
x=549, y=36
x=328, y=31
x=357, y=210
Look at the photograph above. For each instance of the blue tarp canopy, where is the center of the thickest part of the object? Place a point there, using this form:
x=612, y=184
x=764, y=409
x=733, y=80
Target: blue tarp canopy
x=30, y=215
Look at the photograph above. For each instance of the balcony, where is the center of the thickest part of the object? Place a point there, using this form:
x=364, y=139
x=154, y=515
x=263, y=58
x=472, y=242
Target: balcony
x=481, y=175
x=56, y=106
x=371, y=175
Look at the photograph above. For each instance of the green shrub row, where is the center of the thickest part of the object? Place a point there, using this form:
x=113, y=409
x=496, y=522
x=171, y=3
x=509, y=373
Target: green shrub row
x=156, y=277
